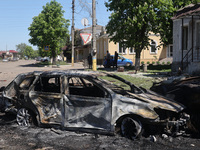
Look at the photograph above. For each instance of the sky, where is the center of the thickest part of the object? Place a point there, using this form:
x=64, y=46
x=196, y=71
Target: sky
x=16, y=17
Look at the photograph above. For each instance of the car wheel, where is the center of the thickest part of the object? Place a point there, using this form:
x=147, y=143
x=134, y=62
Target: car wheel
x=128, y=64
x=131, y=128
x=24, y=117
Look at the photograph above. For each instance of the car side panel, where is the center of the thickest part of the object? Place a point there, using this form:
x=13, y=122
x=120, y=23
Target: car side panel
x=88, y=112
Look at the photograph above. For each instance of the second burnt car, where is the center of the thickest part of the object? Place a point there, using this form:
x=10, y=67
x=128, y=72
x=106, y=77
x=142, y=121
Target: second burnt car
x=89, y=102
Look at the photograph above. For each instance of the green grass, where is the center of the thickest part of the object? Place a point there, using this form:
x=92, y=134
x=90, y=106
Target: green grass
x=138, y=81
x=163, y=70
x=49, y=63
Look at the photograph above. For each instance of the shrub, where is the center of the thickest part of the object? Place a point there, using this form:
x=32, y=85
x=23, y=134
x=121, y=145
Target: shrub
x=148, y=62
x=163, y=63
x=158, y=63
x=153, y=62
x=142, y=62
x=168, y=63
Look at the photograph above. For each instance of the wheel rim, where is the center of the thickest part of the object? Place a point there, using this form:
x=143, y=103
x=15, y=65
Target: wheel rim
x=131, y=128
x=23, y=117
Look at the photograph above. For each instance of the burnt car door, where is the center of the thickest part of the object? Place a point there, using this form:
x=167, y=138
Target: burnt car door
x=47, y=98
x=88, y=105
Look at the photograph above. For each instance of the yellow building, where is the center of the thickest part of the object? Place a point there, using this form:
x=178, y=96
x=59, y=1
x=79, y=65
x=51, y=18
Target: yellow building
x=155, y=52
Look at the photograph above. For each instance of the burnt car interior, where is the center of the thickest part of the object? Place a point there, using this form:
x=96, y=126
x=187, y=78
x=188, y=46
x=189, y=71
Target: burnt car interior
x=48, y=84
x=84, y=87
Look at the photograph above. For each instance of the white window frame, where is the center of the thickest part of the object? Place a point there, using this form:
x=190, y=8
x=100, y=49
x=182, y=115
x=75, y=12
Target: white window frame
x=130, y=50
x=123, y=51
x=155, y=47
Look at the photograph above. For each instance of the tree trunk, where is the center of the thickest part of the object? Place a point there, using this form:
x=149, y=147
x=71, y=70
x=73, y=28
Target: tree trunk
x=54, y=56
x=137, y=61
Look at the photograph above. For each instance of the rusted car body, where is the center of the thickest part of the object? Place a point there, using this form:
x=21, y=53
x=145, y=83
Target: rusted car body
x=84, y=101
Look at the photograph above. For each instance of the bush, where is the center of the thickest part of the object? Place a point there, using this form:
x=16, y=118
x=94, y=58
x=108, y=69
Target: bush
x=168, y=63
x=148, y=62
x=158, y=63
x=163, y=63
x=142, y=62
x=153, y=62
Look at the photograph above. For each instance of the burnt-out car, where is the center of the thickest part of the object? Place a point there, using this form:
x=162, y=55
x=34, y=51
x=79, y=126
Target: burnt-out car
x=89, y=102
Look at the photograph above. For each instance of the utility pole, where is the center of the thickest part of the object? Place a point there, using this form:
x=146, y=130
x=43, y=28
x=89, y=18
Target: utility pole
x=72, y=32
x=94, y=51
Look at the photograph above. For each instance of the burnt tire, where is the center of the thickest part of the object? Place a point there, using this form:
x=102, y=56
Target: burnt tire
x=131, y=128
x=24, y=117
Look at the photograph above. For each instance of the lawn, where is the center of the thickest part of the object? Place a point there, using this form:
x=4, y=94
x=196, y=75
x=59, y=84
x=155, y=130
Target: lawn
x=138, y=81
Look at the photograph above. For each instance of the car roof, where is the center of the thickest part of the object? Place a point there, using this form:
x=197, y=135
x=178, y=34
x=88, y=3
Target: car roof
x=90, y=74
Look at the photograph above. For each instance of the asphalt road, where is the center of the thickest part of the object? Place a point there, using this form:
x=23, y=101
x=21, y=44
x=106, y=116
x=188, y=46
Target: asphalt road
x=9, y=70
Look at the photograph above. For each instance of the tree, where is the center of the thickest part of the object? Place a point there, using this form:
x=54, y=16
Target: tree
x=21, y=48
x=49, y=28
x=29, y=52
x=131, y=22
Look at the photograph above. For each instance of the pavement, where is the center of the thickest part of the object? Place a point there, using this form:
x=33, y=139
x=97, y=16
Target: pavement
x=9, y=70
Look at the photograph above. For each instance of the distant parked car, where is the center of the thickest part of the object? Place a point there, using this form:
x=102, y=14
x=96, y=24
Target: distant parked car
x=45, y=59
x=5, y=60
x=122, y=61
x=59, y=58
x=38, y=58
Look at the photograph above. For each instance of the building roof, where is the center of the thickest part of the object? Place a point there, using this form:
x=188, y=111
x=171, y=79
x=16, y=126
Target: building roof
x=189, y=10
x=12, y=51
x=89, y=29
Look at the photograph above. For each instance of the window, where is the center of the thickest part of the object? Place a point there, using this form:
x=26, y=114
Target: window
x=48, y=84
x=122, y=49
x=131, y=50
x=198, y=35
x=185, y=38
x=153, y=47
x=83, y=87
x=26, y=83
x=170, y=51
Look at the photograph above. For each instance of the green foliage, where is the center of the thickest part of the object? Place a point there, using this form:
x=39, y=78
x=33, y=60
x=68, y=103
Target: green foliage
x=131, y=21
x=148, y=62
x=26, y=50
x=21, y=48
x=29, y=52
x=158, y=63
x=142, y=62
x=153, y=62
x=163, y=63
x=168, y=63
x=49, y=28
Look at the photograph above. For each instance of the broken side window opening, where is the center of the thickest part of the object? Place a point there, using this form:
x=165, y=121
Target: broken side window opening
x=84, y=87
x=48, y=84
x=26, y=83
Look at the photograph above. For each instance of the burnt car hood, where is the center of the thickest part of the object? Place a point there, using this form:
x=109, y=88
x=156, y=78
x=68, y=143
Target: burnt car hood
x=143, y=105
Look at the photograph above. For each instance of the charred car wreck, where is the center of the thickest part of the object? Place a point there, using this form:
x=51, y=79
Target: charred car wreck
x=88, y=102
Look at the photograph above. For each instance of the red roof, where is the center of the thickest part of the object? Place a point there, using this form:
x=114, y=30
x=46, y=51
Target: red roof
x=12, y=51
